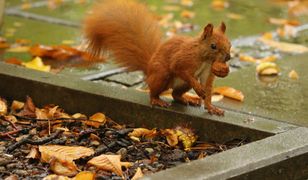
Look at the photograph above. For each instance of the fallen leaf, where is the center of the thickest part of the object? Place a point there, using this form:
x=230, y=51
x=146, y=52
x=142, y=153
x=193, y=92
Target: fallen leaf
x=37, y=64
x=61, y=157
x=247, y=58
x=188, y=3
x=28, y=109
x=108, y=162
x=13, y=61
x=186, y=136
x=229, y=92
x=64, y=153
x=293, y=74
x=285, y=47
x=279, y=21
x=85, y=175
x=217, y=97
x=3, y=107
x=235, y=16
x=3, y=43
x=219, y=4
x=33, y=154
x=171, y=8
x=267, y=68
x=67, y=168
x=99, y=118
x=138, y=174
x=143, y=132
x=26, y=5
x=187, y=14
x=171, y=136
x=18, y=49
x=56, y=177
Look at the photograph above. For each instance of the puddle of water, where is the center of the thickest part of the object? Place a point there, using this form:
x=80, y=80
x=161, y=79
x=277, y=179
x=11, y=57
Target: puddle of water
x=275, y=97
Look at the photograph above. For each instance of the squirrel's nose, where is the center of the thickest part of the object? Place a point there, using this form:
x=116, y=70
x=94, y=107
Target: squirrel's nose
x=228, y=57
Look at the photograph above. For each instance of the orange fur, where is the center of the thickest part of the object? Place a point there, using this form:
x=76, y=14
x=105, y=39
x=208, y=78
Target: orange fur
x=130, y=32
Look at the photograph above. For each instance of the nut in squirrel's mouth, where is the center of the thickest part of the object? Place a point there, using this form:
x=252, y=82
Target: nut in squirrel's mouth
x=220, y=69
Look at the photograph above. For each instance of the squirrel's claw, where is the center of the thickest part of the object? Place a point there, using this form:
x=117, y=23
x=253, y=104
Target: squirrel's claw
x=216, y=111
x=159, y=102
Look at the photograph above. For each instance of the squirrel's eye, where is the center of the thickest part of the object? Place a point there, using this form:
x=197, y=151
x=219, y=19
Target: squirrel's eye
x=213, y=46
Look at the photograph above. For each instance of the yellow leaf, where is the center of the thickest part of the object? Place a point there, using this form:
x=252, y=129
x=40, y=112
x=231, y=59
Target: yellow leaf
x=187, y=3
x=99, y=118
x=229, y=92
x=18, y=49
x=26, y=5
x=235, y=16
x=278, y=21
x=138, y=174
x=79, y=115
x=247, y=58
x=285, y=47
x=187, y=14
x=219, y=4
x=85, y=175
x=186, y=136
x=267, y=68
x=37, y=64
x=68, y=42
x=268, y=59
x=293, y=74
x=108, y=162
x=171, y=136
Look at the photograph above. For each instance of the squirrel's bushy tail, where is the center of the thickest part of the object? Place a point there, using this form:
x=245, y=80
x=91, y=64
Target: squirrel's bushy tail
x=127, y=29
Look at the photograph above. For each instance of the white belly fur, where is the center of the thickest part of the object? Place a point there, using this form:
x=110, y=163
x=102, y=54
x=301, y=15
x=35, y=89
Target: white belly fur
x=201, y=74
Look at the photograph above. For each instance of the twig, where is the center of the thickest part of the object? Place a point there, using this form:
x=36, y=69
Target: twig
x=27, y=140
x=25, y=130
x=7, y=120
x=53, y=119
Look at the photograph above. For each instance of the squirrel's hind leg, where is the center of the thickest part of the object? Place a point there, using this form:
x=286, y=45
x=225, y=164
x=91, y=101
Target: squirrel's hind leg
x=179, y=96
x=158, y=82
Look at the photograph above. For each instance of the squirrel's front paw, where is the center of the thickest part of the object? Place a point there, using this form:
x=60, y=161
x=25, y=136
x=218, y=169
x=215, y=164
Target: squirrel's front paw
x=214, y=110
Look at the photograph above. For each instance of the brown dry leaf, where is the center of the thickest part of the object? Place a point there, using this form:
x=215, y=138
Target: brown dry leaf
x=29, y=109
x=13, y=61
x=186, y=136
x=23, y=42
x=293, y=74
x=279, y=21
x=138, y=174
x=171, y=136
x=143, y=132
x=3, y=43
x=285, y=47
x=298, y=8
x=108, y=162
x=33, y=154
x=64, y=153
x=56, y=177
x=85, y=175
x=99, y=118
x=247, y=58
x=79, y=116
x=3, y=106
x=268, y=59
x=61, y=52
x=41, y=113
x=229, y=92
x=67, y=168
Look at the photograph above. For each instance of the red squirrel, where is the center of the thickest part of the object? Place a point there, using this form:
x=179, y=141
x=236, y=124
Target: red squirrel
x=132, y=34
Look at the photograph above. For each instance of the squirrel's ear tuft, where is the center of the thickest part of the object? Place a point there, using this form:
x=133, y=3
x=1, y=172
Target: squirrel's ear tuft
x=208, y=31
x=223, y=27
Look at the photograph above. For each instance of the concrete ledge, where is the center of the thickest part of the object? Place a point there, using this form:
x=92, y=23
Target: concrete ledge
x=129, y=106
x=283, y=156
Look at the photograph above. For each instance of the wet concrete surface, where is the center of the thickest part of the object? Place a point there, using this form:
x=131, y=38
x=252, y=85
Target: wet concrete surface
x=279, y=97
